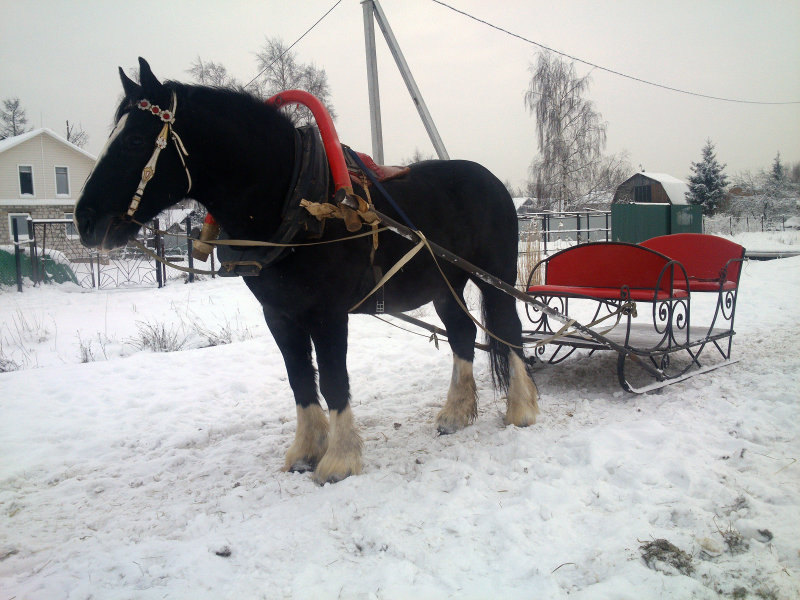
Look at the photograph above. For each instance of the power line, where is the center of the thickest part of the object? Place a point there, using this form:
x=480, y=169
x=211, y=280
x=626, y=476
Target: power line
x=607, y=70
x=307, y=31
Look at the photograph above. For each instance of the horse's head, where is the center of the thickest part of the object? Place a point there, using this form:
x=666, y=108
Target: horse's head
x=140, y=171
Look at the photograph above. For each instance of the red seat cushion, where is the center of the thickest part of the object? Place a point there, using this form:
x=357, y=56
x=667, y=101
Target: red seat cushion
x=697, y=285
x=604, y=293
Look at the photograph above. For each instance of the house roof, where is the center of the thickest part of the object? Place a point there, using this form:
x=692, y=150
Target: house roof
x=11, y=142
x=675, y=188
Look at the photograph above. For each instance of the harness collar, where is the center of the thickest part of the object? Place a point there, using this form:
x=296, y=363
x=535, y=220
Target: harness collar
x=310, y=180
x=167, y=132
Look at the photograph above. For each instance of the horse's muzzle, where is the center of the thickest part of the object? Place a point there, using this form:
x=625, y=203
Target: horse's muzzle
x=86, y=222
x=105, y=232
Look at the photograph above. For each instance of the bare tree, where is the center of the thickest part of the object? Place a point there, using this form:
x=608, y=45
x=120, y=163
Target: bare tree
x=211, y=73
x=757, y=195
x=417, y=156
x=604, y=176
x=12, y=119
x=571, y=134
x=282, y=71
x=794, y=173
x=76, y=135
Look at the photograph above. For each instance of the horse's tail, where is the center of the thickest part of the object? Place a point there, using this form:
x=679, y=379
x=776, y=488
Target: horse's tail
x=501, y=319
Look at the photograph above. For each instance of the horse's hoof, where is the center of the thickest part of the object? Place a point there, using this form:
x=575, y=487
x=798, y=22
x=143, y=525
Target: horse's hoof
x=331, y=478
x=447, y=422
x=446, y=429
x=302, y=466
x=332, y=468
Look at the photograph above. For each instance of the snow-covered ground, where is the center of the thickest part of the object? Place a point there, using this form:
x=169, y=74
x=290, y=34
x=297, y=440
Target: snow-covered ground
x=127, y=473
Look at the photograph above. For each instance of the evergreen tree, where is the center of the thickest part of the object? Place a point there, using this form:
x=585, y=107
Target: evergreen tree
x=707, y=182
x=778, y=173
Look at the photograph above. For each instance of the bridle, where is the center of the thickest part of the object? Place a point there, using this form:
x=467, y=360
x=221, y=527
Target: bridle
x=167, y=132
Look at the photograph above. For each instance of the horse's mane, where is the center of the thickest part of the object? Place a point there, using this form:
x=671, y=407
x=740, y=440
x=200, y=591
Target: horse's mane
x=236, y=103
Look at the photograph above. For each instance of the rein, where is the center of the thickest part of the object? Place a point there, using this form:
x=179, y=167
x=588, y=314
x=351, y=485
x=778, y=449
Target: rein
x=236, y=243
x=167, y=132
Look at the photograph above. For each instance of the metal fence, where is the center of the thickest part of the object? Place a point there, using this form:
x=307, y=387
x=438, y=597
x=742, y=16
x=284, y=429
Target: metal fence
x=730, y=225
x=50, y=252
x=558, y=229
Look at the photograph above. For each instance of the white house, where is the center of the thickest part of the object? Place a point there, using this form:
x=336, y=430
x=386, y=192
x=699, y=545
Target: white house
x=41, y=175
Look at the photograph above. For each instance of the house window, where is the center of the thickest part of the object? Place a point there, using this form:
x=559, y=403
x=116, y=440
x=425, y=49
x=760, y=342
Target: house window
x=21, y=219
x=642, y=193
x=26, y=180
x=69, y=228
x=62, y=181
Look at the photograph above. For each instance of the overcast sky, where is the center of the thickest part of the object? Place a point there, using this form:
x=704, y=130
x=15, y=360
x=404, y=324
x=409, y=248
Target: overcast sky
x=60, y=58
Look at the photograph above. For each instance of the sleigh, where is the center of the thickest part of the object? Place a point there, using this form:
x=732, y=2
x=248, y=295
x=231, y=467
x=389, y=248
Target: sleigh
x=666, y=306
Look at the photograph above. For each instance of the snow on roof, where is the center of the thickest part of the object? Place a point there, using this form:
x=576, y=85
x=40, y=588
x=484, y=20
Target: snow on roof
x=675, y=188
x=172, y=216
x=11, y=142
x=518, y=202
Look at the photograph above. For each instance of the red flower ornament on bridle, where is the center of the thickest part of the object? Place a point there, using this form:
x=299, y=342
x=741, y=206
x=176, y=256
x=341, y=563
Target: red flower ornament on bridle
x=168, y=116
x=167, y=133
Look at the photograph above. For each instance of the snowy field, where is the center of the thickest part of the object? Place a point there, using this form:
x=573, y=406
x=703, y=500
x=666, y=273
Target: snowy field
x=127, y=473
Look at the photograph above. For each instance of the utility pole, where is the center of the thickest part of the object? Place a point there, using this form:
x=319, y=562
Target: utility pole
x=372, y=83
x=372, y=10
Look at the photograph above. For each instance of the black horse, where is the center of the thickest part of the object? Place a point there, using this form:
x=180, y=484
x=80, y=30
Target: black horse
x=237, y=156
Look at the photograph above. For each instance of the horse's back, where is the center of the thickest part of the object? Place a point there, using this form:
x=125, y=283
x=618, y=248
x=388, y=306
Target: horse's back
x=462, y=193
x=463, y=207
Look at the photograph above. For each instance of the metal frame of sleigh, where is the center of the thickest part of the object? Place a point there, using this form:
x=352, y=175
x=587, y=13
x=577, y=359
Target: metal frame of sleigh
x=650, y=301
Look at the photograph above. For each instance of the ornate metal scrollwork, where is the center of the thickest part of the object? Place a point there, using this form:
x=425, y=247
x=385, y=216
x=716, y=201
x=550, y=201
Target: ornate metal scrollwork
x=539, y=318
x=727, y=304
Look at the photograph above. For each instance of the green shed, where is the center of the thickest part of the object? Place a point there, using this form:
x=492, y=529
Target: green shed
x=652, y=204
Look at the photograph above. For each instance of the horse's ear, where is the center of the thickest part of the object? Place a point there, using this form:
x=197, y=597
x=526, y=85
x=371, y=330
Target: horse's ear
x=132, y=89
x=150, y=84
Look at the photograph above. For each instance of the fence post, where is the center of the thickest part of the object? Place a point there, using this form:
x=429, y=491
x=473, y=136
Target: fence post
x=545, y=231
x=156, y=249
x=607, y=227
x=189, y=245
x=91, y=269
x=163, y=255
x=34, y=258
x=17, y=257
x=42, y=271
